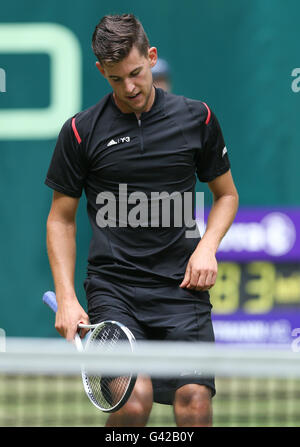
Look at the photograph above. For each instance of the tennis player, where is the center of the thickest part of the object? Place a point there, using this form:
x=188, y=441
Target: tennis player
x=137, y=142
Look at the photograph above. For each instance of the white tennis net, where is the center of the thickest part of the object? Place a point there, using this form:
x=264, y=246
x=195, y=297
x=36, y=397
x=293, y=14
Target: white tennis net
x=40, y=382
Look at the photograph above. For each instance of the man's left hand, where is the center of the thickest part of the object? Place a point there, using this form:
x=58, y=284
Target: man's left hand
x=201, y=270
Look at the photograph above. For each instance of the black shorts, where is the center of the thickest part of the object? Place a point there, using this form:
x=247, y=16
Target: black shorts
x=155, y=313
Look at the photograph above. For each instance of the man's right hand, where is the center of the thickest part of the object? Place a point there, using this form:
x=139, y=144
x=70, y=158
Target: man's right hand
x=69, y=314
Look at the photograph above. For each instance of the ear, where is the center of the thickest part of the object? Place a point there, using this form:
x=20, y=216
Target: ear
x=152, y=54
x=100, y=68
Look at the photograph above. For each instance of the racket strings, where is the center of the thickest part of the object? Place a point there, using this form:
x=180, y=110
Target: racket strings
x=107, y=391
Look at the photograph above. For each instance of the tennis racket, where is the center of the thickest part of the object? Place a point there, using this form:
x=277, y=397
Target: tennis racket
x=107, y=393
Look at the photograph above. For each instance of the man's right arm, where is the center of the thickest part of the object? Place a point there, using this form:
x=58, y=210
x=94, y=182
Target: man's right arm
x=61, y=246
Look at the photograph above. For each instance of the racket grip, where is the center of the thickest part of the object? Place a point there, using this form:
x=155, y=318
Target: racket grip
x=49, y=298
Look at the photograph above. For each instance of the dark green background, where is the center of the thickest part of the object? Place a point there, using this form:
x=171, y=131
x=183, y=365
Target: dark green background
x=236, y=55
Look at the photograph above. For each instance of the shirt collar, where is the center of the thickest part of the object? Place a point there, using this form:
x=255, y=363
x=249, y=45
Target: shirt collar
x=156, y=106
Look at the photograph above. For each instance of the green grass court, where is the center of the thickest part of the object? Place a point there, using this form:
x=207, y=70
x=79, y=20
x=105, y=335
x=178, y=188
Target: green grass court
x=40, y=401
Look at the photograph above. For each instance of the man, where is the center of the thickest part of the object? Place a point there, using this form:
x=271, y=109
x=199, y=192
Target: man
x=139, y=140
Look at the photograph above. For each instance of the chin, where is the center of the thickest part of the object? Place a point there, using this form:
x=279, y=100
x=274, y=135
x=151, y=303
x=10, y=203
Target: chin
x=137, y=108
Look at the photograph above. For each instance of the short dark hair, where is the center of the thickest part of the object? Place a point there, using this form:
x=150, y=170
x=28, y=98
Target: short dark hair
x=115, y=35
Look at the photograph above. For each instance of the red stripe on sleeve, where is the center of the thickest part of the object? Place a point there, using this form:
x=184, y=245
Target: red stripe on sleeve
x=75, y=131
x=208, y=113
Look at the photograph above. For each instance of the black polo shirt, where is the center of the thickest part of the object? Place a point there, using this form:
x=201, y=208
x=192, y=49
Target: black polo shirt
x=122, y=164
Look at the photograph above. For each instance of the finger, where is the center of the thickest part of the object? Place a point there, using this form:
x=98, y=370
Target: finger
x=60, y=329
x=211, y=280
x=214, y=278
x=202, y=281
x=208, y=282
x=71, y=332
x=194, y=279
x=186, y=278
x=83, y=331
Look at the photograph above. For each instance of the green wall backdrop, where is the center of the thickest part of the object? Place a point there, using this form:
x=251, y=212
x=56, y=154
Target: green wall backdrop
x=236, y=55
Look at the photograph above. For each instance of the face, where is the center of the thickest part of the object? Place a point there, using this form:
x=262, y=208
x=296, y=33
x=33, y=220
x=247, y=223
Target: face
x=131, y=80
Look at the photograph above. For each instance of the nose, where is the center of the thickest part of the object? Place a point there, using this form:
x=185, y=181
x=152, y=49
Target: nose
x=129, y=86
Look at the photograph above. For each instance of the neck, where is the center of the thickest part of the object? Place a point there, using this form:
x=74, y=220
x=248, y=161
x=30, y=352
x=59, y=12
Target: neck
x=147, y=107
x=150, y=100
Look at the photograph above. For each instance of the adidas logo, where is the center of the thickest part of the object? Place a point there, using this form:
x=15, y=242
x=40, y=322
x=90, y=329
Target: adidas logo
x=111, y=143
x=118, y=140
x=224, y=151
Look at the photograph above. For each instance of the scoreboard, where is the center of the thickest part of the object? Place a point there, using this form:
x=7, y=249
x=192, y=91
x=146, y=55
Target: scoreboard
x=256, y=298
x=257, y=287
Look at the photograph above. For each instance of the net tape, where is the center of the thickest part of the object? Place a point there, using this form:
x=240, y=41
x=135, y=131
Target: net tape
x=55, y=356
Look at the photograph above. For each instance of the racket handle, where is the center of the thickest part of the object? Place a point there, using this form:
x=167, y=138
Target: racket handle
x=49, y=298
x=78, y=343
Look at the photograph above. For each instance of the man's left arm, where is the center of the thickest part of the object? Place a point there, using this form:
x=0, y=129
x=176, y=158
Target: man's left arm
x=201, y=270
